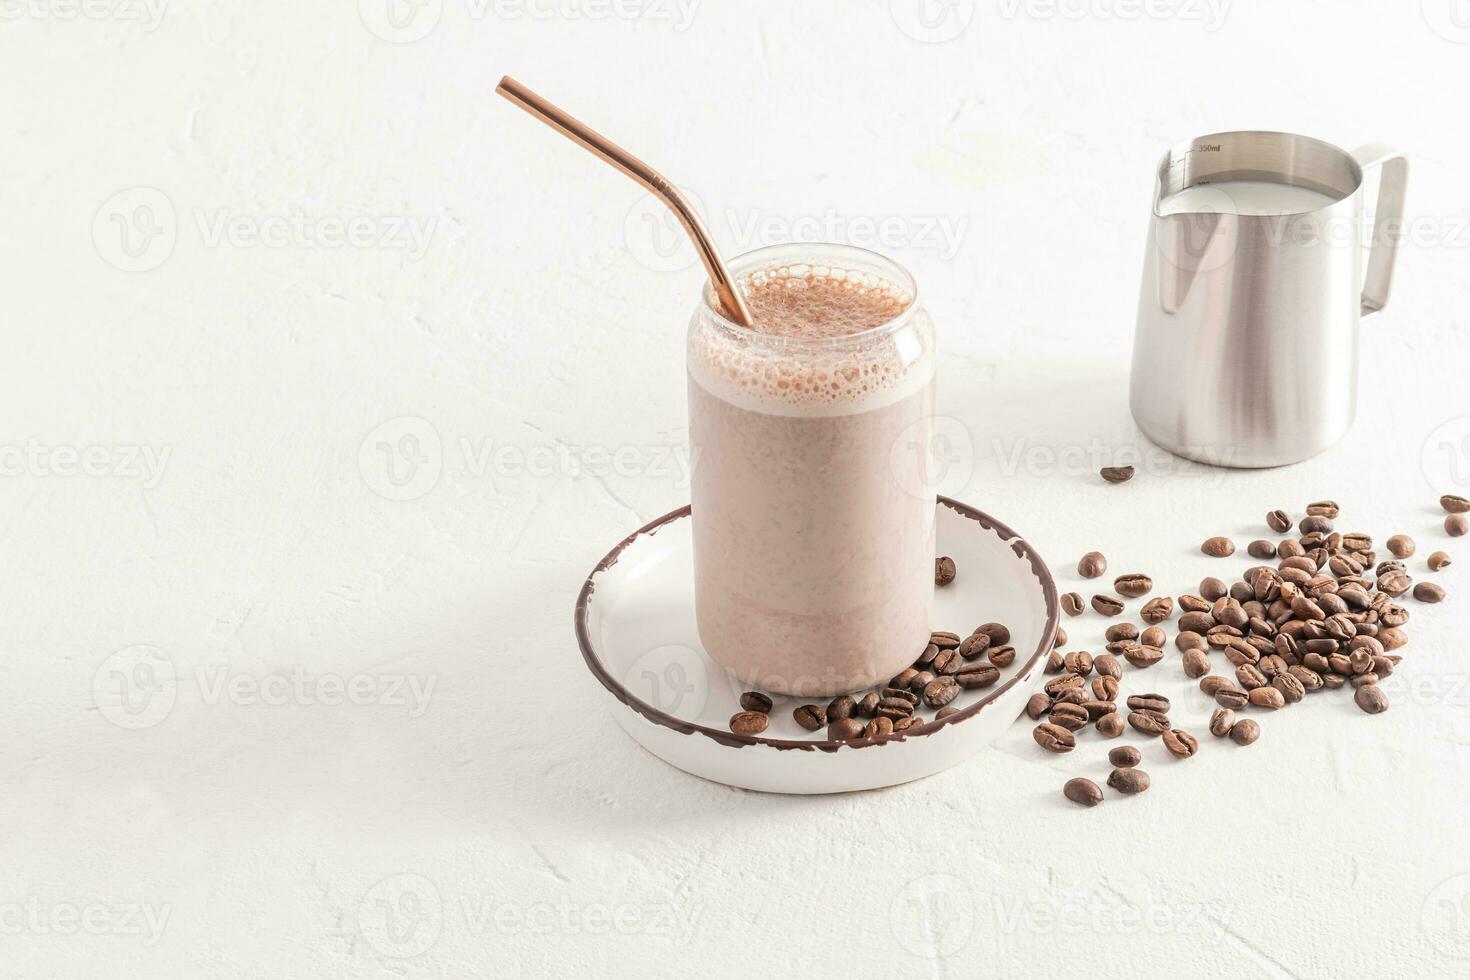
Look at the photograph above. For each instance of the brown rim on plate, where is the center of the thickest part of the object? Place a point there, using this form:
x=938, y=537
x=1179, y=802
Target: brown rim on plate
x=729, y=738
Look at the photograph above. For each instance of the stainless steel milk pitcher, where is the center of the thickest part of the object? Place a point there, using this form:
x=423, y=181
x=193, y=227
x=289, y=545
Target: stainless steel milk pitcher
x=1246, y=351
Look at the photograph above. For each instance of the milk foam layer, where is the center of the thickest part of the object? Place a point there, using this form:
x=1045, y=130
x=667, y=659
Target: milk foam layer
x=809, y=351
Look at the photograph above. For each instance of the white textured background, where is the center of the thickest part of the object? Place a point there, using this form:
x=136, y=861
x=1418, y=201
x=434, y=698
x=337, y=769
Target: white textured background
x=178, y=315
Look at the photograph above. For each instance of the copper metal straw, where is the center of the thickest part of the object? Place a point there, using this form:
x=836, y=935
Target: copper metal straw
x=719, y=275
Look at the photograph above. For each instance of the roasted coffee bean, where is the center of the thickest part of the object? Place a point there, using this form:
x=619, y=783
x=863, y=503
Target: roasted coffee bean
x=1054, y=738
x=944, y=640
x=1333, y=681
x=1429, y=592
x=1180, y=743
x=1231, y=697
x=1157, y=610
x=1370, y=698
x=1073, y=604
x=1149, y=722
x=812, y=717
x=1128, y=781
x=1324, y=508
x=1061, y=638
x=902, y=679
x=755, y=701
x=1290, y=548
x=1083, y=792
x=1221, y=721
x=1260, y=548
x=921, y=680
x=1392, y=638
x=1244, y=732
x=1291, y=688
x=1079, y=662
x=1121, y=631
x=1187, y=642
x=1309, y=679
x=1193, y=603
x=944, y=571
x=972, y=677
x=1038, y=706
x=1361, y=680
x=947, y=662
x=1117, y=474
x=1438, y=560
x=903, y=694
x=941, y=691
x=1107, y=605
x=1196, y=622
x=1395, y=584
x=1125, y=757
x=841, y=707
x=1267, y=697
x=1154, y=636
x=1142, y=656
x=944, y=713
x=1454, y=505
x=844, y=729
x=1218, y=547
x=1092, y=565
x=1149, y=702
x=866, y=705
x=1250, y=677
x=1110, y=725
x=1134, y=586
x=878, y=727
x=1456, y=525
x=1054, y=662
x=1069, y=716
x=1212, y=589
x=1401, y=546
x=1105, y=688
x=1315, y=524
x=906, y=722
x=1340, y=663
x=1279, y=521
x=973, y=645
x=998, y=633
x=1196, y=663
x=894, y=707
x=1001, y=656
x=928, y=656
x=1360, y=659
x=1213, y=684
x=749, y=722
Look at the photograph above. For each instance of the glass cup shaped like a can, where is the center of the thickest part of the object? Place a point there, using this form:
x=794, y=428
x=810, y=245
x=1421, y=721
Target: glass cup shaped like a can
x=814, y=481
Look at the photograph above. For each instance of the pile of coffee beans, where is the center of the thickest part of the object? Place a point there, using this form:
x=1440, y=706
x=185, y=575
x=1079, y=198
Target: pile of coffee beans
x=1323, y=614
x=948, y=665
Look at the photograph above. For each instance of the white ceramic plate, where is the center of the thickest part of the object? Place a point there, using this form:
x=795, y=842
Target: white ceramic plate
x=635, y=624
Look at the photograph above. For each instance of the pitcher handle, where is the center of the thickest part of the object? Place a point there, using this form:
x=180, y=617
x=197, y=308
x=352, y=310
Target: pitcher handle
x=1388, y=217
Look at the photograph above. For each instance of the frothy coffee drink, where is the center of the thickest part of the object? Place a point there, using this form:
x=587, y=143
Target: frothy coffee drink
x=813, y=513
